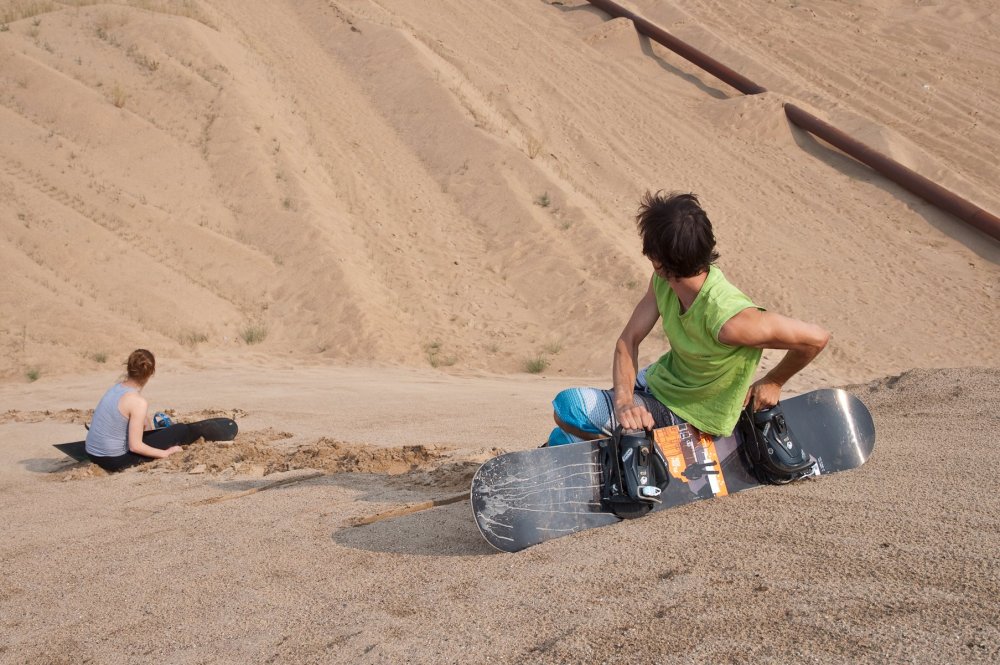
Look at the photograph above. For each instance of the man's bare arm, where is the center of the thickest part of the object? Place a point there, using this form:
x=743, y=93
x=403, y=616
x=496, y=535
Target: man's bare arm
x=767, y=330
x=626, y=362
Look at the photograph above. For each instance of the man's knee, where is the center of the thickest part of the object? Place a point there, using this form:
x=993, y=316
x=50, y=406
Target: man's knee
x=576, y=411
x=567, y=407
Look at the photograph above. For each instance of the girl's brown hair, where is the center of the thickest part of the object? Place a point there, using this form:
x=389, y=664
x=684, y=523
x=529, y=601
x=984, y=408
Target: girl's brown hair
x=140, y=365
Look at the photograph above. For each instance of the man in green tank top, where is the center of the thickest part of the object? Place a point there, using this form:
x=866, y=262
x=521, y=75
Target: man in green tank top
x=716, y=336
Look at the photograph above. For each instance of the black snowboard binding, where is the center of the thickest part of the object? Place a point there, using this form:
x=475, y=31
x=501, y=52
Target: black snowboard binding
x=634, y=474
x=770, y=448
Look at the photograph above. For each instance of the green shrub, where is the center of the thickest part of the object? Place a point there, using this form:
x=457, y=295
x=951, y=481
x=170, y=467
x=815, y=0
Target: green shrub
x=435, y=357
x=536, y=365
x=254, y=333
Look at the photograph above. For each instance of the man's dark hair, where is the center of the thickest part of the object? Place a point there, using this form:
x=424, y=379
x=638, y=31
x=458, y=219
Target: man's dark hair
x=676, y=233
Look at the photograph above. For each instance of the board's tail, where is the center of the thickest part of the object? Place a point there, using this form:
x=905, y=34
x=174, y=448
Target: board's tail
x=216, y=429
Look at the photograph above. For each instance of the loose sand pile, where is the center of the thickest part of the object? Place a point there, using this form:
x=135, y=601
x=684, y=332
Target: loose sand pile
x=893, y=562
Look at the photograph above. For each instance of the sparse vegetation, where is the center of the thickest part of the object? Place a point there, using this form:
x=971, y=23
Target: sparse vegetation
x=543, y=200
x=193, y=338
x=254, y=333
x=109, y=37
x=100, y=357
x=33, y=374
x=118, y=96
x=552, y=348
x=536, y=365
x=534, y=147
x=15, y=11
x=186, y=8
x=142, y=59
x=435, y=357
x=4, y=27
x=107, y=22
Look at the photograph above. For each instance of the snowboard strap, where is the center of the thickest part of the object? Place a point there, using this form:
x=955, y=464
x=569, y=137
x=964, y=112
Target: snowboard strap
x=634, y=474
x=770, y=447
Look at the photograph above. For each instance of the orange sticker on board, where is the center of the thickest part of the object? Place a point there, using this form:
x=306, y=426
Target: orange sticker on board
x=691, y=458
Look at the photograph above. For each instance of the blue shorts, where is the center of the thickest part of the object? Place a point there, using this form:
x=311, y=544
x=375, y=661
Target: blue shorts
x=592, y=410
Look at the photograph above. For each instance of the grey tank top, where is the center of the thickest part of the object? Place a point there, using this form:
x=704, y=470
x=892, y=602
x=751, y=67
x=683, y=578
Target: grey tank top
x=108, y=434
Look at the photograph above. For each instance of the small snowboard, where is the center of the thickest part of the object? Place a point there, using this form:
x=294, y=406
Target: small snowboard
x=213, y=429
x=524, y=498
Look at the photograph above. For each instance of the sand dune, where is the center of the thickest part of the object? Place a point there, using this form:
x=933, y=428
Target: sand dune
x=357, y=225
x=453, y=185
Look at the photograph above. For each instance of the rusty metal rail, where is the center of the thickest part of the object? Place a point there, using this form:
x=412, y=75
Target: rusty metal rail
x=910, y=180
x=686, y=51
x=906, y=178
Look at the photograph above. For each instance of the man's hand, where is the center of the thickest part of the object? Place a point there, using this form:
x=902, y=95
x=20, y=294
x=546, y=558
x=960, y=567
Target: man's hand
x=765, y=393
x=634, y=416
x=626, y=363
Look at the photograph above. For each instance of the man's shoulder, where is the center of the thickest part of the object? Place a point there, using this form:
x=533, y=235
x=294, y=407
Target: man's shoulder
x=718, y=288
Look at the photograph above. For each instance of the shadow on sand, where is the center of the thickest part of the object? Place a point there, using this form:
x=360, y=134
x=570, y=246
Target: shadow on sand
x=448, y=530
x=442, y=531
x=949, y=225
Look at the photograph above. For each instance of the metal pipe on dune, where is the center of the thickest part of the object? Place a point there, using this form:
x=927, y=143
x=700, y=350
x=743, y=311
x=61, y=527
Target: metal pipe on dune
x=906, y=178
x=910, y=180
x=686, y=51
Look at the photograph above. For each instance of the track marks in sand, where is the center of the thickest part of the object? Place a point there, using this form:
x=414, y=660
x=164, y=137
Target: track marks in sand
x=82, y=218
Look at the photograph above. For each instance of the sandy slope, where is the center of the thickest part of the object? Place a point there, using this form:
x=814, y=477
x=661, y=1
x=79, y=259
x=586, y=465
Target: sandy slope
x=351, y=224
x=895, y=562
x=364, y=182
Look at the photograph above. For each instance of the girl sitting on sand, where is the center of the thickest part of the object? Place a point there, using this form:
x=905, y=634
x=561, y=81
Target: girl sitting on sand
x=116, y=437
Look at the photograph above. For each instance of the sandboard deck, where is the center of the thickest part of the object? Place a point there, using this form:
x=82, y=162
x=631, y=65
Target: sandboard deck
x=212, y=429
x=74, y=450
x=525, y=498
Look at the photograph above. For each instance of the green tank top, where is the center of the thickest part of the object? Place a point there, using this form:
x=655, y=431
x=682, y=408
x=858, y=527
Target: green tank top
x=701, y=379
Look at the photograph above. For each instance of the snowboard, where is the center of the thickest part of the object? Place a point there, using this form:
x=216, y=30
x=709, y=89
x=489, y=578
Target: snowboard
x=181, y=434
x=524, y=498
